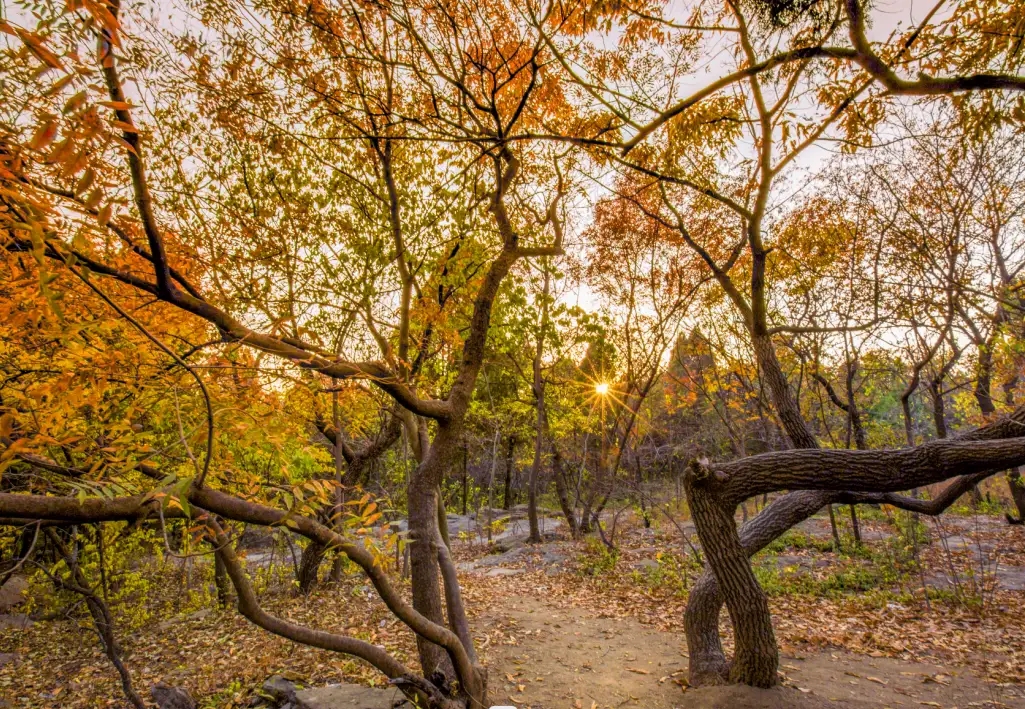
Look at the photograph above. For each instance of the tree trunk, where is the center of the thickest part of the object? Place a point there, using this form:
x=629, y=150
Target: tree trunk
x=466, y=479
x=443, y=520
x=507, y=492
x=562, y=492
x=309, y=566
x=833, y=528
x=535, y=472
x=103, y=621
x=939, y=413
x=984, y=397
x=708, y=664
x=756, y=657
x=221, y=582
x=538, y=387
x=1016, y=485
x=423, y=529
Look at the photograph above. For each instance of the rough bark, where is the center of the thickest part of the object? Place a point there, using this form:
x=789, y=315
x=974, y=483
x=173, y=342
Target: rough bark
x=562, y=492
x=221, y=582
x=756, y=658
x=708, y=662
x=309, y=566
x=426, y=579
x=1016, y=485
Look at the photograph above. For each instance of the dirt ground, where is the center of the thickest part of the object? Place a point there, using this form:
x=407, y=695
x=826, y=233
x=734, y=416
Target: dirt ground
x=564, y=658
x=561, y=626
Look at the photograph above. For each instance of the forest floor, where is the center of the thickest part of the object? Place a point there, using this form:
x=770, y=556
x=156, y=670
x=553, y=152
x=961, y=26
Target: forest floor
x=932, y=619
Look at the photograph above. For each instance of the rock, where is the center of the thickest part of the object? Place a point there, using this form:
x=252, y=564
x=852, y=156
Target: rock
x=350, y=696
x=785, y=561
x=15, y=620
x=644, y=565
x=168, y=697
x=510, y=543
x=282, y=690
x=12, y=593
x=7, y=658
x=499, y=559
x=554, y=557
x=504, y=572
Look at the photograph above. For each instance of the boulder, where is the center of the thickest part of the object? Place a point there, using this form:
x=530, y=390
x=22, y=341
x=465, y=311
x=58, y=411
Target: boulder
x=350, y=696
x=503, y=572
x=168, y=697
x=280, y=689
x=15, y=620
x=12, y=593
x=644, y=565
x=510, y=543
x=554, y=557
x=508, y=557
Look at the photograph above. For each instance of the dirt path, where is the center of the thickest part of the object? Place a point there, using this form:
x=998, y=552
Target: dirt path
x=543, y=657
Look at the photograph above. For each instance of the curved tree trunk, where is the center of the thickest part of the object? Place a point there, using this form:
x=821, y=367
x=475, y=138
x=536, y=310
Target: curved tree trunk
x=756, y=659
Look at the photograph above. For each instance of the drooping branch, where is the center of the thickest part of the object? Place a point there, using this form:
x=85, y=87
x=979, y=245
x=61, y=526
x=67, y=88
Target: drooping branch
x=249, y=606
x=71, y=509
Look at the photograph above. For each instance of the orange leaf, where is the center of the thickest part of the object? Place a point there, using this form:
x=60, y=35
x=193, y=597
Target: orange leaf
x=44, y=135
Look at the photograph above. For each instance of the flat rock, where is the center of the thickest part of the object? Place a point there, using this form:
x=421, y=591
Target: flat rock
x=350, y=696
x=504, y=572
x=7, y=658
x=510, y=556
x=12, y=593
x=554, y=557
x=1010, y=578
x=15, y=620
x=510, y=543
x=644, y=565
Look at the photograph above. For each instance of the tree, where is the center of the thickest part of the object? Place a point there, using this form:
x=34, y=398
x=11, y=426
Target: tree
x=718, y=197
x=395, y=90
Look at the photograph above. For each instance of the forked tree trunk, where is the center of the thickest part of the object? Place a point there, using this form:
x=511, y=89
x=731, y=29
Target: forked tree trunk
x=708, y=664
x=756, y=658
